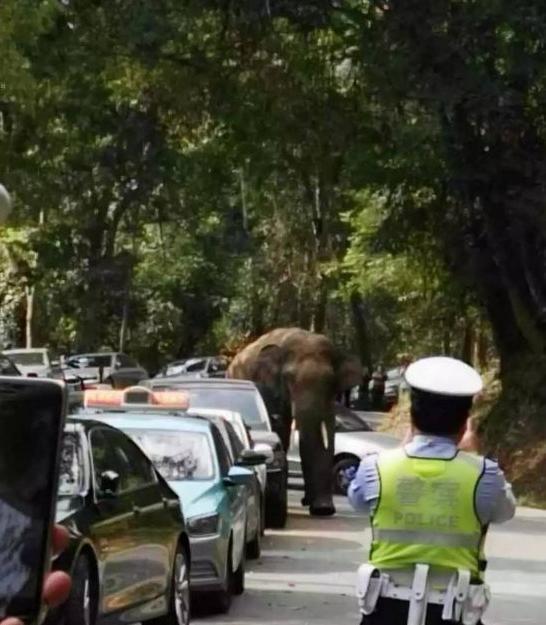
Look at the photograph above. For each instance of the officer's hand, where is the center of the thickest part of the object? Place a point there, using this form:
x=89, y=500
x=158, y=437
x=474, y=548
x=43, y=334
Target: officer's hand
x=350, y=473
x=57, y=584
x=470, y=440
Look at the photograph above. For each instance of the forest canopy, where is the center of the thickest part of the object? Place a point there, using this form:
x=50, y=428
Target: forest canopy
x=190, y=174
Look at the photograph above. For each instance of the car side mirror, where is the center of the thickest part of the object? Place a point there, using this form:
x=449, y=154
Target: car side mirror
x=250, y=458
x=109, y=484
x=238, y=476
x=265, y=450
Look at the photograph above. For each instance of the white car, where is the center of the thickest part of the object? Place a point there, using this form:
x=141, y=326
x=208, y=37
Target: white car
x=238, y=442
x=354, y=439
x=238, y=424
x=35, y=362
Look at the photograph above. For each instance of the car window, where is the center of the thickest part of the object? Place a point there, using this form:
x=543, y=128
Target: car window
x=197, y=364
x=217, y=365
x=350, y=422
x=91, y=361
x=174, y=368
x=236, y=444
x=28, y=358
x=245, y=402
x=113, y=451
x=124, y=361
x=7, y=367
x=71, y=472
x=224, y=459
x=177, y=455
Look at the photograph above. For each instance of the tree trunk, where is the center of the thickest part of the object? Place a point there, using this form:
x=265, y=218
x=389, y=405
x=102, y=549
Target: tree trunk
x=467, y=348
x=124, y=324
x=29, y=297
x=319, y=315
x=358, y=311
x=482, y=346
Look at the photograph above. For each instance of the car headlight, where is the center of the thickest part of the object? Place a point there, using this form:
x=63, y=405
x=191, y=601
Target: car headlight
x=203, y=525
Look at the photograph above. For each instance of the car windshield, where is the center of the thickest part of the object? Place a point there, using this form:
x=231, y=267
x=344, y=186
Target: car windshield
x=91, y=360
x=243, y=401
x=71, y=472
x=28, y=358
x=177, y=455
x=351, y=422
x=174, y=368
x=194, y=364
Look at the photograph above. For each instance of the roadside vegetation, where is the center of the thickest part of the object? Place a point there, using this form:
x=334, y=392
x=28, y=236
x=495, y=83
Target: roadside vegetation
x=190, y=174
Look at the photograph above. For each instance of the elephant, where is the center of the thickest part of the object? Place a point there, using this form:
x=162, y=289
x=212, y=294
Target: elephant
x=299, y=373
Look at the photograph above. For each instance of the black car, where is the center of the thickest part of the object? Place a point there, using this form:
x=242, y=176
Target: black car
x=129, y=553
x=243, y=397
x=112, y=367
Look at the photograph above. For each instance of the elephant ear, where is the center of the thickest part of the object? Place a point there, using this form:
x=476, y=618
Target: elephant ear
x=268, y=363
x=348, y=369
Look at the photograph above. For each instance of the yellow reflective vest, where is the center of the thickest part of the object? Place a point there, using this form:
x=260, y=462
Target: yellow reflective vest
x=426, y=512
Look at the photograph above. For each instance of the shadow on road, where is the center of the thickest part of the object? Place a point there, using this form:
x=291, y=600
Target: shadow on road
x=288, y=608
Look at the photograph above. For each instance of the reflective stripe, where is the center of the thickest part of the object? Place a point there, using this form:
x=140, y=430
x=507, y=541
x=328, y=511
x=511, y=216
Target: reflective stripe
x=469, y=541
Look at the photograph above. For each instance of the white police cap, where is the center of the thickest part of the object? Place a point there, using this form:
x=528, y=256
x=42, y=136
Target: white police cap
x=444, y=376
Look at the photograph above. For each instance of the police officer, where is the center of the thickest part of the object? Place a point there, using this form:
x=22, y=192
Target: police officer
x=430, y=503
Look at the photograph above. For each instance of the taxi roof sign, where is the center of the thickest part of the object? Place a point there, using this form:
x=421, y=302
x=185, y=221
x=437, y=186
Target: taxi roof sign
x=135, y=397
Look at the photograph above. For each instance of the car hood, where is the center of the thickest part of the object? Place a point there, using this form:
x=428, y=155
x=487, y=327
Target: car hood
x=197, y=497
x=362, y=443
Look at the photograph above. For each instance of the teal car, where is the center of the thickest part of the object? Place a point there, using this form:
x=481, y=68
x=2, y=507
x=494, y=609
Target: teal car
x=191, y=455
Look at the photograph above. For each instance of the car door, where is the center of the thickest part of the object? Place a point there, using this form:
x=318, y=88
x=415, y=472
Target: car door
x=252, y=489
x=156, y=530
x=236, y=498
x=113, y=532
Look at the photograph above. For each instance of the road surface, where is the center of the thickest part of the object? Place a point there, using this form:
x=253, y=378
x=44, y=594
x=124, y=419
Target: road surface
x=306, y=573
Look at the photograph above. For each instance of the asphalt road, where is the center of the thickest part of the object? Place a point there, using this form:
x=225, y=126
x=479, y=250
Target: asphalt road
x=306, y=573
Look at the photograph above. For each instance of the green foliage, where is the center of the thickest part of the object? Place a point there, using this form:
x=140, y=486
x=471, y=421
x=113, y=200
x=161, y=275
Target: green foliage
x=190, y=173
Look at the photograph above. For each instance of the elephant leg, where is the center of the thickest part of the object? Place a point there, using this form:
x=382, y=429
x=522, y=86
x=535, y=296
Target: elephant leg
x=317, y=463
x=286, y=430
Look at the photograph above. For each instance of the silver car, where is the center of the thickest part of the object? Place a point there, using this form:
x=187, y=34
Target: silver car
x=116, y=366
x=243, y=397
x=354, y=439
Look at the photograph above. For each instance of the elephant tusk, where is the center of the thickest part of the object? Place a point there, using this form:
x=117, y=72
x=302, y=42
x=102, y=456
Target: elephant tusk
x=324, y=433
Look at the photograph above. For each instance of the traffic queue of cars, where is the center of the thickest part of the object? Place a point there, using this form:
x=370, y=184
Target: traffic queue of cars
x=163, y=504
x=167, y=484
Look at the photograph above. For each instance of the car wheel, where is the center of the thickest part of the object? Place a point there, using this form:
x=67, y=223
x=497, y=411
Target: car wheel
x=179, y=601
x=277, y=506
x=341, y=481
x=238, y=579
x=81, y=606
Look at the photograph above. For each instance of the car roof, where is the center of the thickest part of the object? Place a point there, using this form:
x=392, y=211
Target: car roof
x=152, y=421
x=94, y=354
x=18, y=350
x=219, y=382
x=86, y=423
